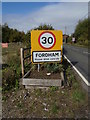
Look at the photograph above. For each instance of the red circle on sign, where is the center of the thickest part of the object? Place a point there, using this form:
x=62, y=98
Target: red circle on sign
x=52, y=35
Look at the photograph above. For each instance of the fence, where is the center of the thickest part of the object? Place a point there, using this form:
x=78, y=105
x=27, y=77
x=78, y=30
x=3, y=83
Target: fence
x=25, y=57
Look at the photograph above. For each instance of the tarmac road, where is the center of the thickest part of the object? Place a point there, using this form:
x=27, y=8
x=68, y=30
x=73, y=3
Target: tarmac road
x=0, y=82
x=79, y=57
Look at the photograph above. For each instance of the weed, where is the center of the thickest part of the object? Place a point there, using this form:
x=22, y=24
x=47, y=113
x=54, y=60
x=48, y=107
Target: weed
x=61, y=67
x=4, y=98
x=53, y=67
x=53, y=88
x=20, y=105
x=49, y=67
x=70, y=79
x=0, y=88
x=12, y=69
x=17, y=84
x=32, y=106
x=68, y=71
x=33, y=66
x=76, y=85
x=8, y=79
x=38, y=92
x=55, y=108
x=78, y=95
x=70, y=76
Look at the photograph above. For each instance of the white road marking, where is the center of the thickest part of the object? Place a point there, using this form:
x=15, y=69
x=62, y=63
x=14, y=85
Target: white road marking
x=83, y=78
x=86, y=52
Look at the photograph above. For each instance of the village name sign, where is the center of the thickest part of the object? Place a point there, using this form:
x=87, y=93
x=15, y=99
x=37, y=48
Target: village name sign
x=46, y=46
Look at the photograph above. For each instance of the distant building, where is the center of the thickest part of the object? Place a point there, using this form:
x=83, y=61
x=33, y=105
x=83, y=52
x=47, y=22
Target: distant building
x=65, y=38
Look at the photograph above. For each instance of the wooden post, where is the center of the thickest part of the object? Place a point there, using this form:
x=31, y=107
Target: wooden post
x=22, y=61
x=62, y=77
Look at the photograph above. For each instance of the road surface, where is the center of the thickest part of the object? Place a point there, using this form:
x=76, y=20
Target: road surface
x=79, y=58
x=0, y=82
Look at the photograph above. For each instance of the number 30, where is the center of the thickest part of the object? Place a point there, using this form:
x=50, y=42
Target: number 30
x=46, y=40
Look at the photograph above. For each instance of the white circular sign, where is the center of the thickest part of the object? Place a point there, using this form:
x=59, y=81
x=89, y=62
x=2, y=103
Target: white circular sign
x=47, y=40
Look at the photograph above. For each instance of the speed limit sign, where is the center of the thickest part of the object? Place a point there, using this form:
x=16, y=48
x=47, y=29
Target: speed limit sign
x=46, y=46
x=47, y=40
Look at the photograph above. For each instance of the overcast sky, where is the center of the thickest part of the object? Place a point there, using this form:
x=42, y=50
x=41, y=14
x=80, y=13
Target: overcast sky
x=44, y=0
x=25, y=16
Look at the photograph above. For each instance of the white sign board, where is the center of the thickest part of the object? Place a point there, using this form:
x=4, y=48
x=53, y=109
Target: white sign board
x=73, y=39
x=46, y=56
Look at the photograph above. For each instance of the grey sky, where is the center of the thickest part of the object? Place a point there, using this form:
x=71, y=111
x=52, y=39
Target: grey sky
x=44, y=0
x=0, y=12
x=59, y=15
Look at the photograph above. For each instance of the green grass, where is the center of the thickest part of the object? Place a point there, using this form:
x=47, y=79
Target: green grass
x=11, y=68
x=53, y=88
x=20, y=105
x=38, y=92
x=60, y=103
x=76, y=85
x=53, y=97
x=4, y=98
x=78, y=95
x=12, y=48
x=55, y=108
x=78, y=45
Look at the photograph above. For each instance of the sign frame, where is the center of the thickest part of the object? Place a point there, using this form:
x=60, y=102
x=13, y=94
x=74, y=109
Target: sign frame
x=36, y=47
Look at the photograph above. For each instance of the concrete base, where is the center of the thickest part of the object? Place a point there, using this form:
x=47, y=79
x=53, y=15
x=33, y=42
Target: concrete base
x=41, y=82
x=30, y=82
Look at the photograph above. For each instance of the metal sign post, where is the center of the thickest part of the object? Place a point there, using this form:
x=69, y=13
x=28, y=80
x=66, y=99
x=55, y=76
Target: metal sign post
x=38, y=67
